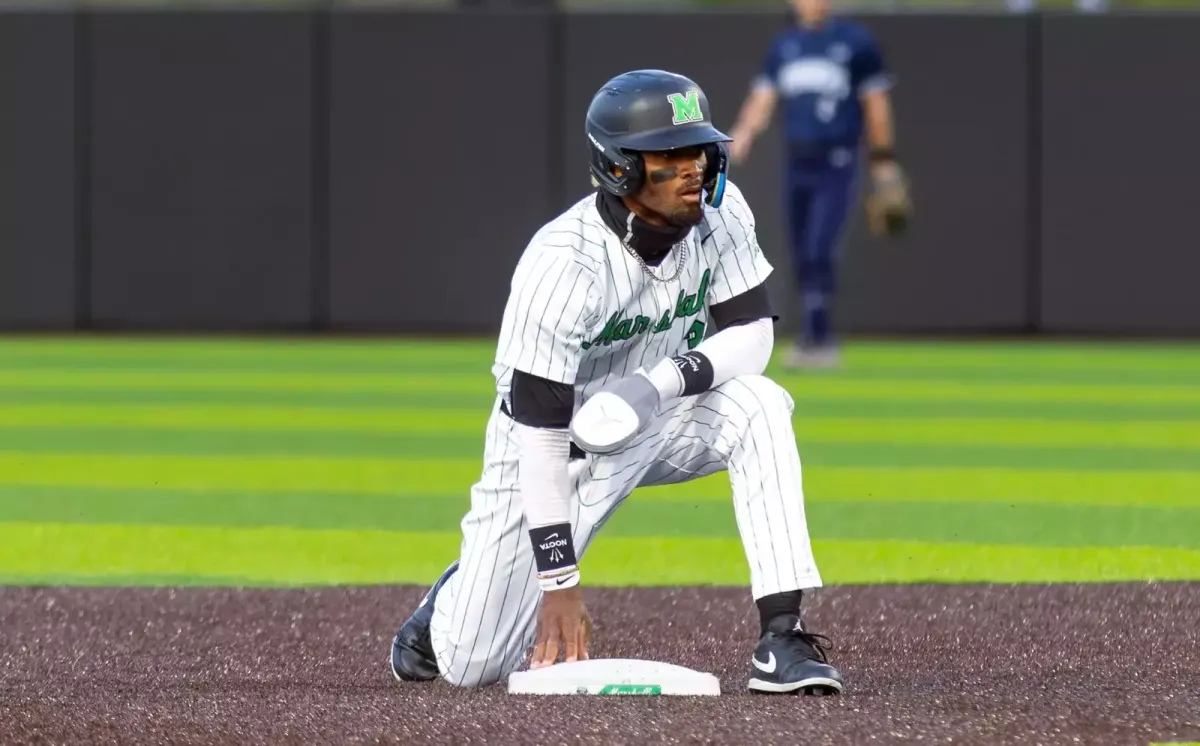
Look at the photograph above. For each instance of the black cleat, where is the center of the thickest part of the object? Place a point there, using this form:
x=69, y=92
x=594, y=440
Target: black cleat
x=412, y=650
x=790, y=660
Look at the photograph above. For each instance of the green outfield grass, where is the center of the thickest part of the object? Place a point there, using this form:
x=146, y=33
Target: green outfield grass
x=298, y=462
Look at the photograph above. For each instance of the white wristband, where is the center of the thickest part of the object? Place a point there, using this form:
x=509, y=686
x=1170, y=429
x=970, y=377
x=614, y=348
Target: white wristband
x=666, y=378
x=567, y=577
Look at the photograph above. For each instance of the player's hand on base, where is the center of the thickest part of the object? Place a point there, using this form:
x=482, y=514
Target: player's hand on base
x=614, y=415
x=564, y=623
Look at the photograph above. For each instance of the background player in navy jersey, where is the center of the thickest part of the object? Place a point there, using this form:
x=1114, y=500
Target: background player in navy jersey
x=830, y=77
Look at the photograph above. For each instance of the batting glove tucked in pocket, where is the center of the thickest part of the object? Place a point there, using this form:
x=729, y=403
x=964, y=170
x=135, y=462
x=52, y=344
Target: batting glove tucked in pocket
x=615, y=415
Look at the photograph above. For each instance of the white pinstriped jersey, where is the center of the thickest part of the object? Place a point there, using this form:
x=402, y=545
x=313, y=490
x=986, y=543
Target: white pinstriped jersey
x=582, y=310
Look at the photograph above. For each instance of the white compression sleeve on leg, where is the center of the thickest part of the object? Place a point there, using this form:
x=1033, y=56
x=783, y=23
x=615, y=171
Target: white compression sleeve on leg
x=545, y=487
x=736, y=351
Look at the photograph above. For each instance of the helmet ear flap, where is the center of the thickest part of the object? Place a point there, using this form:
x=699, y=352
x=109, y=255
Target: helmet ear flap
x=635, y=170
x=606, y=162
x=715, y=173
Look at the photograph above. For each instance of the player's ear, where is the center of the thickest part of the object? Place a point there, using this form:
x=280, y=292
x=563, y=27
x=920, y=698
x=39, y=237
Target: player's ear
x=617, y=172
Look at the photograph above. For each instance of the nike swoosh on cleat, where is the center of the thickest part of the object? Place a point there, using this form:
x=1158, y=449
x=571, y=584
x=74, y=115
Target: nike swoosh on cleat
x=768, y=667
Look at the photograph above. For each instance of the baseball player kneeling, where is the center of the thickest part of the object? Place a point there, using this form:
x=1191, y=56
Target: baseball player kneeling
x=631, y=354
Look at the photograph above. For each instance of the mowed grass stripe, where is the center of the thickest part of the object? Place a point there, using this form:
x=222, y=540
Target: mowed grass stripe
x=182, y=352
x=479, y=403
x=316, y=362
x=1033, y=524
x=1043, y=354
x=1012, y=371
x=60, y=580
x=435, y=421
x=287, y=556
x=989, y=354
x=452, y=477
x=308, y=444
x=802, y=388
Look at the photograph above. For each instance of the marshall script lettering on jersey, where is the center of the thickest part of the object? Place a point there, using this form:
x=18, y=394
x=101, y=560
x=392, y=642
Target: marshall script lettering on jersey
x=619, y=329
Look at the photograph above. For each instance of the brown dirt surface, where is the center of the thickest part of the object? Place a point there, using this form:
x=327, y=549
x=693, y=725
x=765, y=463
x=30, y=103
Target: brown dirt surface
x=1099, y=664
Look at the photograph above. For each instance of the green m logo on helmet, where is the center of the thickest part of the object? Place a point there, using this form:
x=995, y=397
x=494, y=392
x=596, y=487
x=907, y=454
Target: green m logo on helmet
x=686, y=107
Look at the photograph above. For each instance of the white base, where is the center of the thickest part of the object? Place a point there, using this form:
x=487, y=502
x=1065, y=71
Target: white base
x=610, y=676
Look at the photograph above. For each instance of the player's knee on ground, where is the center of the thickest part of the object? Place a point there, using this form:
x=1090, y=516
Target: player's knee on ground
x=466, y=668
x=757, y=394
x=471, y=656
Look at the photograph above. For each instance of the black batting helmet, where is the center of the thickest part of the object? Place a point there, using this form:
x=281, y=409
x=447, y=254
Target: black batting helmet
x=651, y=110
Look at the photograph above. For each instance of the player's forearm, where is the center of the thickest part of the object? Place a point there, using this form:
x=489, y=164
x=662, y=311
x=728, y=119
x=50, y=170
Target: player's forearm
x=546, y=495
x=737, y=351
x=543, y=479
x=740, y=350
x=541, y=410
x=756, y=113
x=880, y=131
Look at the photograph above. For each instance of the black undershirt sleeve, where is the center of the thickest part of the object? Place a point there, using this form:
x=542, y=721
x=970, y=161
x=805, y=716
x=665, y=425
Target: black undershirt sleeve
x=752, y=305
x=539, y=402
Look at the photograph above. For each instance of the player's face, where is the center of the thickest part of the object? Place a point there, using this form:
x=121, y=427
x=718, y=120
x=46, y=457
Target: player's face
x=812, y=11
x=672, y=193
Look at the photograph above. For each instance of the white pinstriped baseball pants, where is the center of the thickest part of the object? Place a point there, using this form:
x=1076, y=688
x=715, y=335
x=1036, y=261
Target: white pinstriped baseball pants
x=485, y=617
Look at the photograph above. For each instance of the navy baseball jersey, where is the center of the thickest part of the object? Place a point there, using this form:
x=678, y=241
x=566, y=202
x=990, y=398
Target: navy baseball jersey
x=819, y=74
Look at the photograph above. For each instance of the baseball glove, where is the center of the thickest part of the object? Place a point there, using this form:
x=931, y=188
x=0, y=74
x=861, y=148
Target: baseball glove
x=889, y=207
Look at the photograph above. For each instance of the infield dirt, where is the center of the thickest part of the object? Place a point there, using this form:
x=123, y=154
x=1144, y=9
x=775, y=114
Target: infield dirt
x=1096, y=664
